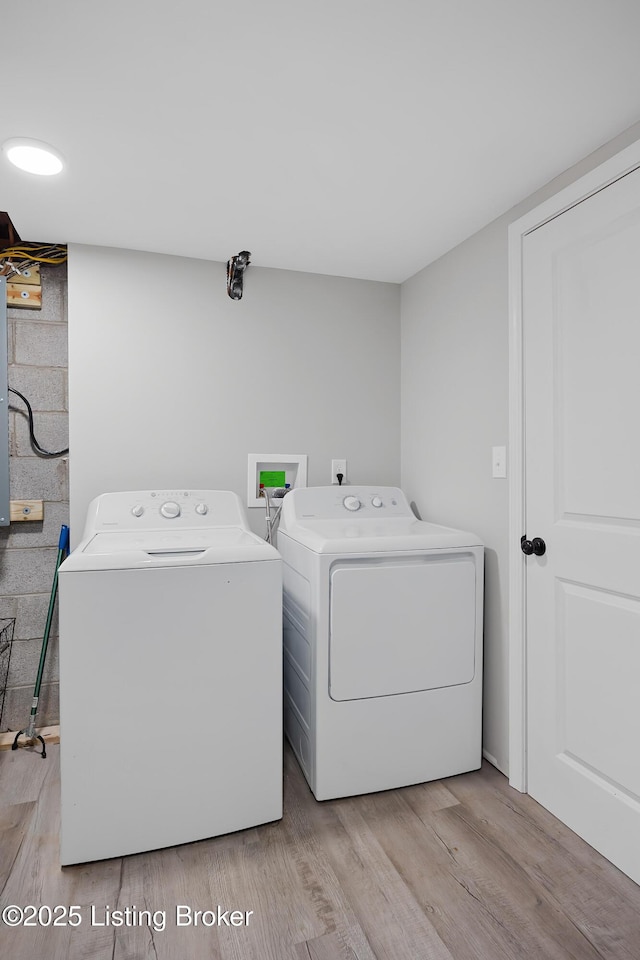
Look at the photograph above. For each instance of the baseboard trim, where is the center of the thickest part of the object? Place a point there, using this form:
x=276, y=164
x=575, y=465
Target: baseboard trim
x=492, y=760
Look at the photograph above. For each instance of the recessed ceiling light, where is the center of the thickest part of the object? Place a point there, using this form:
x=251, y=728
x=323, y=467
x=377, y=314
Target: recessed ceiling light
x=33, y=156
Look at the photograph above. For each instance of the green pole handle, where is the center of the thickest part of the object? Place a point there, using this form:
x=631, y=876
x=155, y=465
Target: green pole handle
x=63, y=549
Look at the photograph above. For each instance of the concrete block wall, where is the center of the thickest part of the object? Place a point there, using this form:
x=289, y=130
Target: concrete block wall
x=37, y=344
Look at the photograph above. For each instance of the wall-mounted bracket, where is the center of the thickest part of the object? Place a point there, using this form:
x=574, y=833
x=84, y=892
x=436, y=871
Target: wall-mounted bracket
x=236, y=267
x=22, y=510
x=25, y=289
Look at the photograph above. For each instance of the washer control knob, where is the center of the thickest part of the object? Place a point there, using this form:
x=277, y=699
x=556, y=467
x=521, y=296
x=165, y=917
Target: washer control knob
x=352, y=503
x=202, y=509
x=376, y=502
x=170, y=509
x=138, y=510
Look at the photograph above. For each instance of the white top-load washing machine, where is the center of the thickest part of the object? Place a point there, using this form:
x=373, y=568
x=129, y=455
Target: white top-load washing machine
x=382, y=641
x=170, y=674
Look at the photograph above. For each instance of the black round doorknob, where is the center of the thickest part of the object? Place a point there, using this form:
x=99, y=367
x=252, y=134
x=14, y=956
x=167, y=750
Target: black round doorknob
x=539, y=546
x=526, y=546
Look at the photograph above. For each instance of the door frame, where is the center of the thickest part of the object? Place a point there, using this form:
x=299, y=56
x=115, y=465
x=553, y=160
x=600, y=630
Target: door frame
x=597, y=179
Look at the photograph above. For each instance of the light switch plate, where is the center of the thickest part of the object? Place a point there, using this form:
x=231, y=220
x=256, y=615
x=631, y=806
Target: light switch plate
x=499, y=462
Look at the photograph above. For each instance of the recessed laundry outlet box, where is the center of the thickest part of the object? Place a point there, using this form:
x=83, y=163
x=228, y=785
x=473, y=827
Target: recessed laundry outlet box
x=272, y=470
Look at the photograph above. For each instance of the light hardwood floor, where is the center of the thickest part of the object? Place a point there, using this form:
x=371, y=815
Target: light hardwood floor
x=462, y=869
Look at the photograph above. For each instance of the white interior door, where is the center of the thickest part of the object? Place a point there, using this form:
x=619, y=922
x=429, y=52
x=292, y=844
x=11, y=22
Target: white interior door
x=581, y=329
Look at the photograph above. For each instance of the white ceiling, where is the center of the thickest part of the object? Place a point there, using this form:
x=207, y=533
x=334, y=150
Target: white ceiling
x=361, y=138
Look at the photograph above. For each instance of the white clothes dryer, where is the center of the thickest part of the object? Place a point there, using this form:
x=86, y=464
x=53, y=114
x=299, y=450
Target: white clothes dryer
x=382, y=641
x=170, y=675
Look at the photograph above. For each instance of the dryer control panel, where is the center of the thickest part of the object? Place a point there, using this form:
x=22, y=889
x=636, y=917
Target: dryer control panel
x=336, y=503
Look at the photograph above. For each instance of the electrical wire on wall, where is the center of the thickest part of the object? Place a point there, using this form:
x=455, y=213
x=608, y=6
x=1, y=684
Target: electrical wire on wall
x=17, y=258
x=14, y=260
x=34, y=443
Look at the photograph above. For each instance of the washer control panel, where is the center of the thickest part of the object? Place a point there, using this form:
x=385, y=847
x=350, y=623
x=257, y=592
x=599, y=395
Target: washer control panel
x=160, y=509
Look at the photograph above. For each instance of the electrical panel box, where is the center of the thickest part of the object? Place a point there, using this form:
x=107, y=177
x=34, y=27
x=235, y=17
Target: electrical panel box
x=4, y=410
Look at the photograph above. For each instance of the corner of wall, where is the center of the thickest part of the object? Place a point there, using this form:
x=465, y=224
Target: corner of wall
x=37, y=368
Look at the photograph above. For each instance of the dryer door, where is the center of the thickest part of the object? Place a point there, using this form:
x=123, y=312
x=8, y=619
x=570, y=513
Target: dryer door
x=401, y=625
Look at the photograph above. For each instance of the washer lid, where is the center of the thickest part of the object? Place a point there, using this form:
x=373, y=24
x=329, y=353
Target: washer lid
x=127, y=550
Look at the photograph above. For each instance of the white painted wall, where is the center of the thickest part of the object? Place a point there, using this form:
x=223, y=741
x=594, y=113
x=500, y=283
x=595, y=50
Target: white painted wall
x=454, y=375
x=172, y=384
